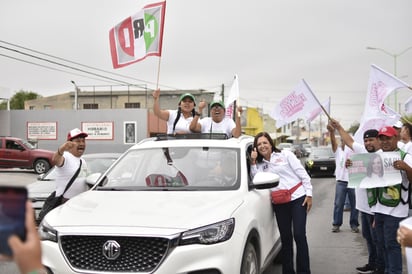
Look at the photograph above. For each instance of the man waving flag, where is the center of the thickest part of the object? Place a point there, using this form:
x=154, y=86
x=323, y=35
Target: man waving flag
x=138, y=36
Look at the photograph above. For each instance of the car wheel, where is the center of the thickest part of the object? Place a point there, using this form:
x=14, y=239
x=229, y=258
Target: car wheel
x=250, y=263
x=41, y=166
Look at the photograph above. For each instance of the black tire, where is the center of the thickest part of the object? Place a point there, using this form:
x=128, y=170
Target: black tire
x=41, y=166
x=250, y=264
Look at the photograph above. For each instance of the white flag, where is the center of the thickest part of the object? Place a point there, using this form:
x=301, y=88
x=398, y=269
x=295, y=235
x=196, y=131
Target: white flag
x=408, y=106
x=296, y=105
x=376, y=114
x=381, y=85
x=315, y=112
x=233, y=93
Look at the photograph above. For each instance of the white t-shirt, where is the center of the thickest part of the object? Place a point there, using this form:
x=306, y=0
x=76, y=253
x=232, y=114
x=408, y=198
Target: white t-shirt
x=182, y=125
x=66, y=172
x=406, y=147
x=341, y=172
x=225, y=126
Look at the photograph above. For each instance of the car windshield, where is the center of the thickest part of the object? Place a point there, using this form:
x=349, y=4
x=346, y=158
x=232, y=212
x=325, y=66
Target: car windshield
x=94, y=165
x=28, y=145
x=175, y=168
x=322, y=153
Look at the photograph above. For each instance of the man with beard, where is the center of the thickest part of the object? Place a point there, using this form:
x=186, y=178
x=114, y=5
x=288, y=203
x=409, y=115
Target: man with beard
x=68, y=160
x=370, y=144
x=217, y=123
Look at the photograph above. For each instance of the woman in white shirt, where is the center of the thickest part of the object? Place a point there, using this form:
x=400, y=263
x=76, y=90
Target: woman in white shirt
x=178, y=120
x=290, y=216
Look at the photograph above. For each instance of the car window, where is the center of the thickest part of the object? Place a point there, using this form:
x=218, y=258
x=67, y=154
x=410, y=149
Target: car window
x=188, y=168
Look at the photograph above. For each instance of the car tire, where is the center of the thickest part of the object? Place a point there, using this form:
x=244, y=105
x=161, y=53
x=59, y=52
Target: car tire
x=41, y=166
x=250, y=264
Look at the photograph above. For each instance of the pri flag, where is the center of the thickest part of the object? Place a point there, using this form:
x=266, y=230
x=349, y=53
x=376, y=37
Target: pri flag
x=297, y=104
x=138, y=36
x=376, y=114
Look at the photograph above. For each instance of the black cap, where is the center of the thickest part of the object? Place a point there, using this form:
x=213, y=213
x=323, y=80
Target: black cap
x=370, y=133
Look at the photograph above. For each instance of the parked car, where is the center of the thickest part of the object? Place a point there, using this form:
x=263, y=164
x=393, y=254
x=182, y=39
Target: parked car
x=321, y=161
x=300, y=150
x=168, y=205
x=19, y=153
x=287, y=146
x=308, y=148
x=45, y=184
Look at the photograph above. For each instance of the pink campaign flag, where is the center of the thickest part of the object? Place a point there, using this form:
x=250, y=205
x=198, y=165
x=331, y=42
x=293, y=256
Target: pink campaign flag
x=138, y=36
x=376, y=114
x=381, y=85
x=297, y=104
x=315, y=113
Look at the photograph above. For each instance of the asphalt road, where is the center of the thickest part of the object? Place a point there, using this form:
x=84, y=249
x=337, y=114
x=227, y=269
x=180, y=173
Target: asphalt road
x=337, y=253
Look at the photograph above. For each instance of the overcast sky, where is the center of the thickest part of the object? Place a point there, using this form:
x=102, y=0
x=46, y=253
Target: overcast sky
x=269, y=44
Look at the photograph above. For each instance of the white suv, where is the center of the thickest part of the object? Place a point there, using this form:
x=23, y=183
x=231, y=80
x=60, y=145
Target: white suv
x=169, y=205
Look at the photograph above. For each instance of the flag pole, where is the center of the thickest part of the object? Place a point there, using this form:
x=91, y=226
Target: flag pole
x=158, y=72
x=316, y=98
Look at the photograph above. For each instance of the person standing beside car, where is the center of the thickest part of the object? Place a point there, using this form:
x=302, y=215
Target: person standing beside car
x=290, y=216
x=67, y=159
x=178, y=121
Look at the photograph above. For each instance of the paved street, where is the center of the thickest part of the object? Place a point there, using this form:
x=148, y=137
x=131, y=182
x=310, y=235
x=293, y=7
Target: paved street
x=337, y=253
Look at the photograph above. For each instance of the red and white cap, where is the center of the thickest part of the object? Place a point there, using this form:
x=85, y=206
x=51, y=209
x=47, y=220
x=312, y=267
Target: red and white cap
x=74, y=133
x=388, y=131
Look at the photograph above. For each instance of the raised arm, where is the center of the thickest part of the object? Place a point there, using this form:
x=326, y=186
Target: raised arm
x=346, y=137
x=237, y=131
x=195, y=126
x=331, y=130
x=162, y=114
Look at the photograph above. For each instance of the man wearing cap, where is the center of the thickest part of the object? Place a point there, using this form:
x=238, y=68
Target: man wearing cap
x=178, y=120
x=388, y=215
x=67, y=159
x=217, y=123
x=370, y=144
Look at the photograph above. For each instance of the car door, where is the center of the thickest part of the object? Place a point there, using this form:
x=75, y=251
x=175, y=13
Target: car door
x=14, y=154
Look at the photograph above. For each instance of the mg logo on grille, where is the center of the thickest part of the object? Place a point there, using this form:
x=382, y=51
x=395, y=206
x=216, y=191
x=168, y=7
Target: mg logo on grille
x=111, y=250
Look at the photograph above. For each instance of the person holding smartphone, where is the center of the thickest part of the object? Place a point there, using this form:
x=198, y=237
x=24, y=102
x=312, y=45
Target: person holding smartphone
x=27, y=254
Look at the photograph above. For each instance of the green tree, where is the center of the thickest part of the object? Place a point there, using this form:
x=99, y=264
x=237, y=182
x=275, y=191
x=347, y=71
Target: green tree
x=18, y=99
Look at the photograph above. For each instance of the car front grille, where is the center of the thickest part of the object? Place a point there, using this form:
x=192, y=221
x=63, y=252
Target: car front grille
x=114, y=253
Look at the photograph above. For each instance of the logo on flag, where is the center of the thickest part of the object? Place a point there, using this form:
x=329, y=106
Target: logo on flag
x=138, y=36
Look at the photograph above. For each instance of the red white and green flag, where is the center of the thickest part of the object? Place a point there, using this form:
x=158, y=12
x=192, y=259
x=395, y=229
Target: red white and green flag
x=138, y=36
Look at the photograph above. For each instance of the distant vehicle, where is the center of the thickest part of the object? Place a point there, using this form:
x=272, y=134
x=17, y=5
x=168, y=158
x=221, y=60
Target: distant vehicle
x=321, y=161
x=308, y=148
x=45, y=184
x=18, y=153
x=286, y=146
x=300, y=151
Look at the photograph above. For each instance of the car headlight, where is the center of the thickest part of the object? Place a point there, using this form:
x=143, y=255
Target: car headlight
x=210, y=234
x=309, y=163
x=46, y=232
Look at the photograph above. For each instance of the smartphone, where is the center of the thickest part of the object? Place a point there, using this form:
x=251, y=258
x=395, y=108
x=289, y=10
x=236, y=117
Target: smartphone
x=12, y=215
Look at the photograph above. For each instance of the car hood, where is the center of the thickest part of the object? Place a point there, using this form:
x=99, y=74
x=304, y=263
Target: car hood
x=174, y=211
x=41, y=188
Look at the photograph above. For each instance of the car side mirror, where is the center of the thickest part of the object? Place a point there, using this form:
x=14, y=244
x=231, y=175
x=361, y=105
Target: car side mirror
x=265, y=180
x=92, y=178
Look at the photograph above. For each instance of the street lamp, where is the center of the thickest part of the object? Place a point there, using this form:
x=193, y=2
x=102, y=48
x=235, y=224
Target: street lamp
x=76, y=90
x=395, y=57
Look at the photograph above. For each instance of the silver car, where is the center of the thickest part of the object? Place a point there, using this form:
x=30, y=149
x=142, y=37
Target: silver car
x=45, y=184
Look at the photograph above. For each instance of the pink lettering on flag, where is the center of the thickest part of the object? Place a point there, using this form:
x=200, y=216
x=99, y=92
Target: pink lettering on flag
x=292, y=104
